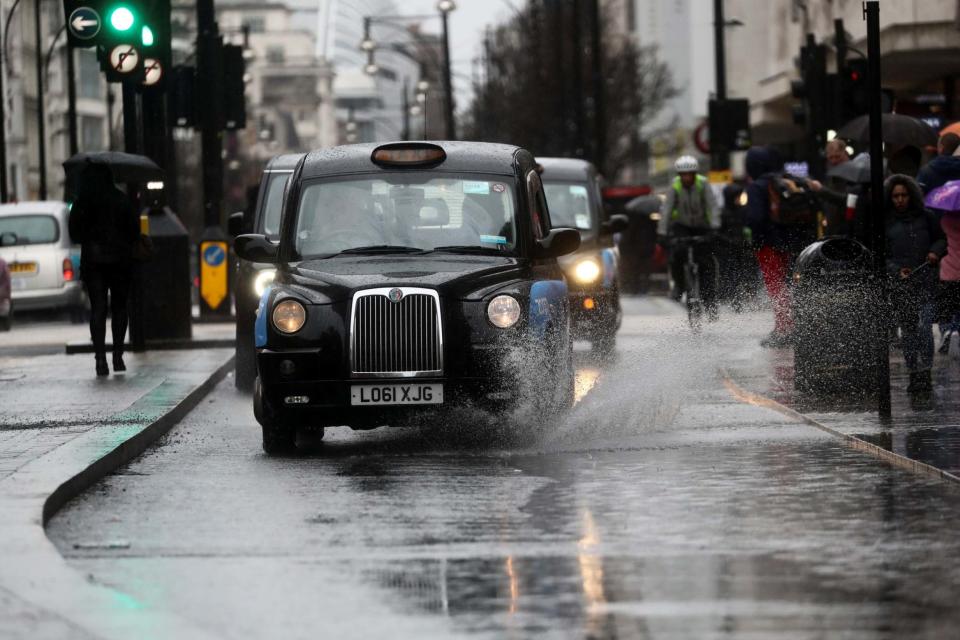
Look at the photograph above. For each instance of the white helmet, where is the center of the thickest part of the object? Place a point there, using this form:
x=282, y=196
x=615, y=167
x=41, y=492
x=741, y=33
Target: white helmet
x=686, y=164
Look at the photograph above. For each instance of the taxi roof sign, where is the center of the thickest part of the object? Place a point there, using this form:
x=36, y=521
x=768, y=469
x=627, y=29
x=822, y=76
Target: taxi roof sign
x=403, y=154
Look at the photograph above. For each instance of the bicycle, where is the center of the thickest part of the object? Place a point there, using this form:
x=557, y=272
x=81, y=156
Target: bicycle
x=692, y=295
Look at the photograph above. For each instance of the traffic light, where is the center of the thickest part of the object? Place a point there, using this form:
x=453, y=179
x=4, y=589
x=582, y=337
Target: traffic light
x=234, y=98
x=854, y=91
x=120, y=46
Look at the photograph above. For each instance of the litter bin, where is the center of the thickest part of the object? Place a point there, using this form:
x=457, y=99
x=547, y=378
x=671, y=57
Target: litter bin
x=835, y=302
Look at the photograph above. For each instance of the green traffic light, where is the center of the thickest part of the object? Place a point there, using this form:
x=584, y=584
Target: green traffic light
x=146, y=35
x=121, y=19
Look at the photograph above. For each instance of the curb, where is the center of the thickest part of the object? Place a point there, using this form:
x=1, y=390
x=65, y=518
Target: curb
x=46, y=597
x=73, y=348
x=133, y=447
x=853, y=442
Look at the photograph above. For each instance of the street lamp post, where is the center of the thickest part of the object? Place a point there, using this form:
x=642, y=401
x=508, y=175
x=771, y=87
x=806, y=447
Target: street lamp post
x=445, y=7
x=369, y=45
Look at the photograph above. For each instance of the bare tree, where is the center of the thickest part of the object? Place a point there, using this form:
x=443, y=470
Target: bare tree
x=539, y=90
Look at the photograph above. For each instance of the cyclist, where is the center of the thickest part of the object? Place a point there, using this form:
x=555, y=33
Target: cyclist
x=690, y=210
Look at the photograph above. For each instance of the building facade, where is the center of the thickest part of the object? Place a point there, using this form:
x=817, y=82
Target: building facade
x=21, y=112
x=920, y=46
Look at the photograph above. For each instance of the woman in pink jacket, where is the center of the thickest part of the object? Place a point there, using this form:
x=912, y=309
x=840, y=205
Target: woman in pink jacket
x=950, y=264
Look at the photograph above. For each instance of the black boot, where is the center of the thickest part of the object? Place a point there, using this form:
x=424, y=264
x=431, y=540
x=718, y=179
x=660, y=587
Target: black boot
x=118, y=365
x=102, y=369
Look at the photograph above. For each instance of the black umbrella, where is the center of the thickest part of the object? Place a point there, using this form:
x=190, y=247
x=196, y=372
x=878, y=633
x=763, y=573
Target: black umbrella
x=126, y=167
x=643, y=205
x=897, y=130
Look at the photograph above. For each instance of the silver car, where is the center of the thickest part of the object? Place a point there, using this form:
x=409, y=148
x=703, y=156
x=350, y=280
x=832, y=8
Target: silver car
x=44, y=263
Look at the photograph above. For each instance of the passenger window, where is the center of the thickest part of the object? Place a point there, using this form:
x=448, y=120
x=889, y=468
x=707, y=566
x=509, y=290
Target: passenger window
x=539, y=215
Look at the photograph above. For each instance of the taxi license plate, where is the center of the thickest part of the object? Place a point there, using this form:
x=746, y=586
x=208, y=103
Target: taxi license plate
x=381, y=394
x=23, y=268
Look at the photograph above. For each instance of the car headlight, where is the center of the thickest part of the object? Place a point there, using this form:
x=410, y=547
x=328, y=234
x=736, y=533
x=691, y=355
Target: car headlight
x=263, y=278
x=503, y=311
x=586, y=271
x=289, y=316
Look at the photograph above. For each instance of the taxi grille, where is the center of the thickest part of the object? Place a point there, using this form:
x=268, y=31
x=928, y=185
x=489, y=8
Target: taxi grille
x=401, y=339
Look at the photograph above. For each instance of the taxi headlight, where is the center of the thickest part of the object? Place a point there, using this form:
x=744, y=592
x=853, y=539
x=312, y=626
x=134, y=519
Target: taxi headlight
x=289, y=316
x=263, y=278
x=503, y=311
x=586, y=271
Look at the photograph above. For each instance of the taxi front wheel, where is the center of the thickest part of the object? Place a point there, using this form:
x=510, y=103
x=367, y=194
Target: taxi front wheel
x=277, y=437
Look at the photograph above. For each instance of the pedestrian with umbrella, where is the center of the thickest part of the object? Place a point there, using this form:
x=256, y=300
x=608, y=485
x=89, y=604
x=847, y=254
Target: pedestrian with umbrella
x=945, y=167
x=946, y=201
x=915, y=244
x=104, y=222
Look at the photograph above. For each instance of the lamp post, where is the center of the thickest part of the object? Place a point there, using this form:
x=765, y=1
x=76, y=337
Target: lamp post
x=369, y=45
x=445, y=7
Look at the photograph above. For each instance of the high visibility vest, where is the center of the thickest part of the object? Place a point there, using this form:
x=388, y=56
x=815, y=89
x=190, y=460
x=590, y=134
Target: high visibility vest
x=701, y=186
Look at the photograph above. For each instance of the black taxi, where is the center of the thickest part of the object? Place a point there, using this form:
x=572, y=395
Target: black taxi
x=410, y=277
x=574, y=194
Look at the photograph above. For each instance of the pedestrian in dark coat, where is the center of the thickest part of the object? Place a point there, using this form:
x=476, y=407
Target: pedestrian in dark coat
x=776, y=245
x=915, y=243
x=104, y=222
x=945, y=167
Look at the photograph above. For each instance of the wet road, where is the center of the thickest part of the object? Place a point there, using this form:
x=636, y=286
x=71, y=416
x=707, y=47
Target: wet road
x=660, y=508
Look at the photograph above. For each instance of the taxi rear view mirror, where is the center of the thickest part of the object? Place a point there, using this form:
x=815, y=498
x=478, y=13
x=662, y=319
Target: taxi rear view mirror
x=256, y=248
x=559, y=242
x=8, y=239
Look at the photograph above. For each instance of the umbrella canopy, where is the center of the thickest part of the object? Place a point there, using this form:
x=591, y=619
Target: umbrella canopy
x=856, y=170
x=951, y=128
x=126, y=167
x=945, y=198
x=897, y=130
x=643, y=205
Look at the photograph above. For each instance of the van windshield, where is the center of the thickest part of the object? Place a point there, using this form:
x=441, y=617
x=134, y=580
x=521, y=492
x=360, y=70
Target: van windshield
x=570, y=205
x=27, y=229
x=407, y=210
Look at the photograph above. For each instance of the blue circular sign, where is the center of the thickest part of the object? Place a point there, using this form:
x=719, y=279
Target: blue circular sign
x=84, y=23
x=214, y=255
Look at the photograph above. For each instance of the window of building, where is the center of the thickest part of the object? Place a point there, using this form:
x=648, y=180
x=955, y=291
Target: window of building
x=89, y=74
x=91, y=133
x=275, y=55
x=256, y=24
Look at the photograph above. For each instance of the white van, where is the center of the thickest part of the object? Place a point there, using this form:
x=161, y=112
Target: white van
x=44, y=263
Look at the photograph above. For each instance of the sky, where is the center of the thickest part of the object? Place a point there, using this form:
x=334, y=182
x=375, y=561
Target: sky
x=467, y=25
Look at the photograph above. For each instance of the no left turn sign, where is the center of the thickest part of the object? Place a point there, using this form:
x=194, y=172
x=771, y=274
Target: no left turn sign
x=152, y=71
x=124, y=58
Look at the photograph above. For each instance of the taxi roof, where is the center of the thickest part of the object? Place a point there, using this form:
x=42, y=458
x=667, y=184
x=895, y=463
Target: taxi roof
x=285, y=162
x=566, y=169
x=462, y=157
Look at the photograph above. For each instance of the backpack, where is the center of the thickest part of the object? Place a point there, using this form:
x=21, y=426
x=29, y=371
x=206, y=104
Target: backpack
x=791, y=201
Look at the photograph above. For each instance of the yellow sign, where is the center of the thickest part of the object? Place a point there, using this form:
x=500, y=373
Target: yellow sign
x=721, y=177
x=213, y=273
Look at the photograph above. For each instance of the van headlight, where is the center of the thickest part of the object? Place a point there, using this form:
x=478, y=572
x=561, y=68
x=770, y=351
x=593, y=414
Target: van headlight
x=503, y=311
x=586, y=271
x=289, y=316
x=263, y=279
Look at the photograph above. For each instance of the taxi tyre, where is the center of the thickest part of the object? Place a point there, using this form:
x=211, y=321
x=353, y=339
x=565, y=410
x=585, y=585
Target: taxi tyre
x=6, y=322
x=278, y=438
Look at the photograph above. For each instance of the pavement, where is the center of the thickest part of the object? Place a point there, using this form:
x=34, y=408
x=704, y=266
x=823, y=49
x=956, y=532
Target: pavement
x=927, y=432
x=62, y=429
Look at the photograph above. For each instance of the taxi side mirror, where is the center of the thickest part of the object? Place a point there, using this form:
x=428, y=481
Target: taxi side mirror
x=235, y=224
x=256, y=248
x=617, y=223
x=559, y=242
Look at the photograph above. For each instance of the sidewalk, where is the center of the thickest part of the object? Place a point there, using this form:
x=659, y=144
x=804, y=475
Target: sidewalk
x=62, y=429
x=929, y=434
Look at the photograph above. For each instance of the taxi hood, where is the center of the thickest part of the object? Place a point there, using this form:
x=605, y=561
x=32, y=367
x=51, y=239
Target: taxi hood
x=459, y=276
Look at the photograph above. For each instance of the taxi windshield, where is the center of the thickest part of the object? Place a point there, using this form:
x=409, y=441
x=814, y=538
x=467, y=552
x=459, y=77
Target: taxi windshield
x=570, y=205
x=407, y=211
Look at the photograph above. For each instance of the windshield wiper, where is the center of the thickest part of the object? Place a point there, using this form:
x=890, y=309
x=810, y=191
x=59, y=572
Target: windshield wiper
x=382, y=248
x=468, y=248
